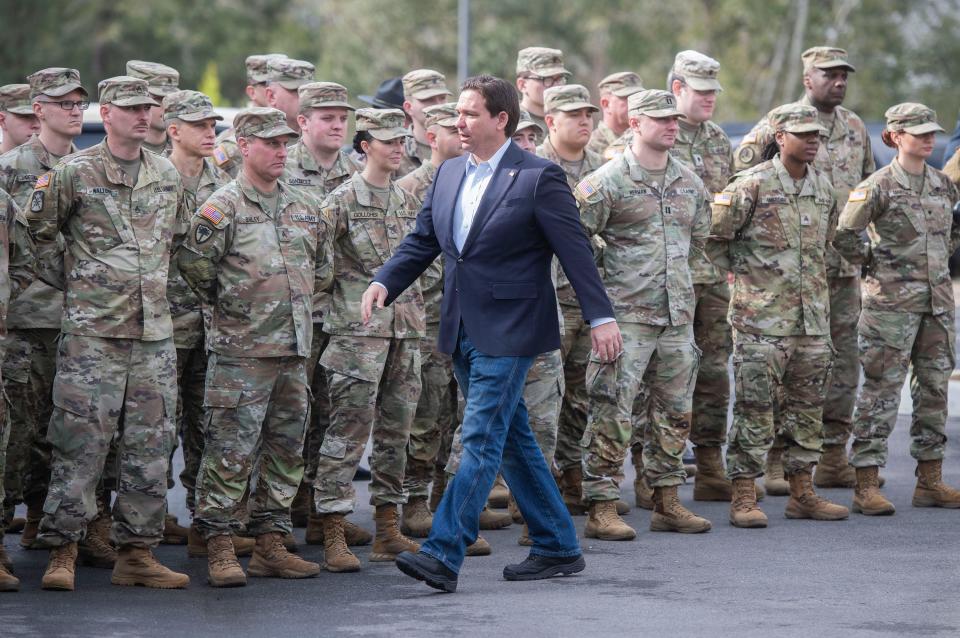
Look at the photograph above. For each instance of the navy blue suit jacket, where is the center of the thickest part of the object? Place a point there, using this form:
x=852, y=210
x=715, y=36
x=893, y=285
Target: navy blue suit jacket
x=499, y=285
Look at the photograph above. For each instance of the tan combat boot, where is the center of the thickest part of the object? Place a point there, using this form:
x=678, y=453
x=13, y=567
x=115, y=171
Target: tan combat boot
x=743, y=505
x=931, y=491
x=437, y=489
x=480, y=547
x=5, y=560
x=494, y=520
x=514, y=511
x=302, y=506
x=417, y=518
x=272, y=559
x=31, y=529
x=525, y=539
x=173, y=532
x=670, y=516
x=337, y=557
x=571, y=488
x=223, y=568
x=773, y=478
x=499, y=494
x=834, y=469
x=61, y=568
x=197, y=547
x=643, y=493
x=710, y=483
x=604, y=523
x=8, y=582
x=353, y=533
x=867, y=499
x=805, y=503
x=95, y=549
x=138, y=566
x=388, y=541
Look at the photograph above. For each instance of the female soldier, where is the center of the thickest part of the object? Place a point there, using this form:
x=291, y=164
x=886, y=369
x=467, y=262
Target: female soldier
x=908, y=310
x=770, y=228
x=373, y=369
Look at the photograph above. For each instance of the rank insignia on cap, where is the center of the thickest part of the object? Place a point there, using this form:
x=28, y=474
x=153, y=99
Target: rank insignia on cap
x=586, y=188
x=43, y=181
x=723, y=199
x=858, y=196
x=211, y=213
x=220, y=155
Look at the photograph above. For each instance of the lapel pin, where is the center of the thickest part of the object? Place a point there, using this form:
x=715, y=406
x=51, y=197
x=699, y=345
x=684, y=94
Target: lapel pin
x=512, y=173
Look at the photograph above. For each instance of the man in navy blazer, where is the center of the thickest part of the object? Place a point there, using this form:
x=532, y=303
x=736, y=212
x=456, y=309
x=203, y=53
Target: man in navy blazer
x=498, y=215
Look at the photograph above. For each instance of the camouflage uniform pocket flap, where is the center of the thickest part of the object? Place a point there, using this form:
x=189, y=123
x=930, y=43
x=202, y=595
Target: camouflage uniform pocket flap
x=333, y=447
x=220, y=398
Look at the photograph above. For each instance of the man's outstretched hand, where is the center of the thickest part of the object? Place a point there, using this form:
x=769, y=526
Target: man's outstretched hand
x=607, y=341
x=375, y=294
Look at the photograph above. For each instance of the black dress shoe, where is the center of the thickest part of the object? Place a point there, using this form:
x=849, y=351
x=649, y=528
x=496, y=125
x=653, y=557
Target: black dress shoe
x=536, y=567
x=428, y=569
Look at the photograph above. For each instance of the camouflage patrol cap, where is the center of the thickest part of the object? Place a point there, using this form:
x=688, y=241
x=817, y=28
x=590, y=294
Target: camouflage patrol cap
x=795, y=118
x=319, y=95
x=541, y=61
x=289, y=73
x=382, y=124
x=189, y=106
x=257, y=66
x=623, y=84
x=262, y=122
x=125, y=90
x=15, y=98
x=161, y=79
x=825, y=58
x=423, y=84
x=913, y=118
x=528, y=122
x=442, y=115
x=697, y=70
x=55, y=81
x=568, y=97
x=653, y=103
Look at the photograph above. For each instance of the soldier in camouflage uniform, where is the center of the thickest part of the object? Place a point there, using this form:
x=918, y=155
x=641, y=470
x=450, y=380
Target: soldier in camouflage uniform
x=538, y=69
x=373, y=369
x=421, y=88
x=17, y=270
x=908, y=306
x=317, y=164
x=226, y=153
x=846, y=158
x=254, y=254
x=34, y=317
x=771, y=226
x=652, y=213
x=284, y=77
x=162, y=80
x=17, y=120
x=529, y=135
x=117, y=208
x=614, y=91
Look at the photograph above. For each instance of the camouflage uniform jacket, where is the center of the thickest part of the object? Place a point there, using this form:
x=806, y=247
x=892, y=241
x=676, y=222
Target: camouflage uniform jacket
x=417, y=184
x=184, y=304
x=163, y=149
x=601, y=138
x=650, y=231
x=617, y=146
x=367, y=231
x=911, y=237
x=40, y=305
x=17, y=259
x=414, y=154
x=845, y=157
x=118, y=238
x=305, y=173
x=226, y=154
x=257, y=272
x=774, y=240
x=591, y=162
x=707, y=153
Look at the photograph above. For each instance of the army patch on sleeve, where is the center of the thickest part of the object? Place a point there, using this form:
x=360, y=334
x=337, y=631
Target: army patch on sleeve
x=36, y=201
x=43, y=181
x=211, y=213
x=202, y=233
x=858, y=196
x=586, y=188
x=723, y=199
x=220, y=155
x=745, y=154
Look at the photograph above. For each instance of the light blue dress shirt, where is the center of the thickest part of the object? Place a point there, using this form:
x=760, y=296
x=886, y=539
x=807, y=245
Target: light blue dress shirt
x=478, y=176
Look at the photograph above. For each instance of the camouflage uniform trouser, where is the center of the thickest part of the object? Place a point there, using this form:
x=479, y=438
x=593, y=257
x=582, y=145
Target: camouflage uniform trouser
x=780, y=386
x=20, y=426
x=374, y=384
x=191, y=379
x=4, y=440
x=842, y=386
x=711, y=395
x=256, y=413
x=434, y=416
x=98, y=382
x=575, y=349
x=889, y=343
x=544, y=391
x=613, y=389
x=319, y=405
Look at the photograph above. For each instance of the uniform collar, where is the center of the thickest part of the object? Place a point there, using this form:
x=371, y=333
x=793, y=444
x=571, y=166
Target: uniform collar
x=639, y=174
x=365, y=195
x=787, y=182
x=254, y=197
x=149, y=171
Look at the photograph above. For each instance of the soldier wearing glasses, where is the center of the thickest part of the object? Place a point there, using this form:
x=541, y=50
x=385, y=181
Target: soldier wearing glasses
x=538, y=68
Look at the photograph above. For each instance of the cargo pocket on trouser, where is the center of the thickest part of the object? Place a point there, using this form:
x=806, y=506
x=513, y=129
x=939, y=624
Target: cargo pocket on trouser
x=753, y=418
x=608, y=430
x=227, y=451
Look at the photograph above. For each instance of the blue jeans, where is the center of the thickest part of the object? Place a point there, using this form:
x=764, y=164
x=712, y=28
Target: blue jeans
x=497, y=435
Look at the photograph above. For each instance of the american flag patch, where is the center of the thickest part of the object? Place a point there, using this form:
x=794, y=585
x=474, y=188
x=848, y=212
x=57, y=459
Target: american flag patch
x=585, y=188
x=220, y=156
x=858, y=196
x=211, y=213
x=723, y=199
x=43, y=181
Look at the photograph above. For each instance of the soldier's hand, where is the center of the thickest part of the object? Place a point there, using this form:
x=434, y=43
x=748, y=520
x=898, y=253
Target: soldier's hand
x=607, y=341
x=374, y=294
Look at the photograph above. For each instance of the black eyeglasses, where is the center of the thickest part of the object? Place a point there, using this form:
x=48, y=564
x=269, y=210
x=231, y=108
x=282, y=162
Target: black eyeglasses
x=556, y=80
x=67, y=105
